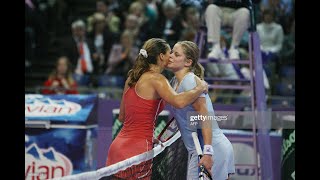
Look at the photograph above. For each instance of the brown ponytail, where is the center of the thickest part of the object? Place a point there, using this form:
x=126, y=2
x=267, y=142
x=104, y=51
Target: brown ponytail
x=138, y=69
x=154, y=47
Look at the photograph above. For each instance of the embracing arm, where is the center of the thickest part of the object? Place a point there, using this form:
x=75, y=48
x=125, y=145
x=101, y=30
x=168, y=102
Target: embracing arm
x=180, y=100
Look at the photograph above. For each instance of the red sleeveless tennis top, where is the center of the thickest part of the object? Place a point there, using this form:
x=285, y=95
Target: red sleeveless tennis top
x=136, y=135
x=140, y=115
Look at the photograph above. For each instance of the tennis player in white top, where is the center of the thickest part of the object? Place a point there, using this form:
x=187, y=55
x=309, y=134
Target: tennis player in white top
x=218, y=156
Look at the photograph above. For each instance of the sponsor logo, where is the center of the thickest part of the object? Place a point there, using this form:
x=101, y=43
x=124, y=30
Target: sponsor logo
x=38, y=105
x=45, y=163
x=287, y=143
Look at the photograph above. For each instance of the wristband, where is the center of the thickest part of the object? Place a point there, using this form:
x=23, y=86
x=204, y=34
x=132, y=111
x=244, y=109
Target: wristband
x=207, y=149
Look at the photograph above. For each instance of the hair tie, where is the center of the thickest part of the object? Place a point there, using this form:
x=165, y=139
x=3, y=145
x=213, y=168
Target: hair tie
x=143, y=52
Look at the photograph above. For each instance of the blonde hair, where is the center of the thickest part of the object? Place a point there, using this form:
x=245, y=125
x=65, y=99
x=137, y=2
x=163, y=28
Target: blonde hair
x=135, y=6
x=191, y=51
x=127, y=34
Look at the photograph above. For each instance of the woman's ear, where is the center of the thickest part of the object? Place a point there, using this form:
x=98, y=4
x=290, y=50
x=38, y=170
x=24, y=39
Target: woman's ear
x=161, y=56
x=188, y=62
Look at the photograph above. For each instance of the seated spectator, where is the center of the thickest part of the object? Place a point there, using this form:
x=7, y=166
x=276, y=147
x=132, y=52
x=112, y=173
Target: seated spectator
x=122, y=56
x=145, y=23
x=230, y=13
x=233, y=13
x=79, y=49
x=103, y=40
x=131, y=24
x=191, y=23
x=284, y=9
x=169, y=24
x=150, y=10
x=60, y=80
x=270, y=33
x=112, y=20
x=271, y=39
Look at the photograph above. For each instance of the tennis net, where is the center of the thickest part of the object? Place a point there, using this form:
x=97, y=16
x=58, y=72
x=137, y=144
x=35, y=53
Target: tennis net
x=164, y=162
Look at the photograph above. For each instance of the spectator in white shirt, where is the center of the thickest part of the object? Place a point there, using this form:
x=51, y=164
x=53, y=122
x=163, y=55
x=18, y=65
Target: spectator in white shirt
x=271, y=39
x=270, y=33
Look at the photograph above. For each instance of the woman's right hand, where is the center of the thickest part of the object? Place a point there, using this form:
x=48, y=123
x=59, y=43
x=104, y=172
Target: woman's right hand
x=202, y=84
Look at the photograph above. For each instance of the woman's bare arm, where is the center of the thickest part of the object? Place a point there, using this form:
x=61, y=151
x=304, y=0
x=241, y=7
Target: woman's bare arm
x=122, y=111
x=201, y=107
x=181, y=100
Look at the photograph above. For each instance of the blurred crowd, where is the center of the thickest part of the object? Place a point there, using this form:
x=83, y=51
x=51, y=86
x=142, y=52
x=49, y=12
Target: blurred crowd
x=106, y=41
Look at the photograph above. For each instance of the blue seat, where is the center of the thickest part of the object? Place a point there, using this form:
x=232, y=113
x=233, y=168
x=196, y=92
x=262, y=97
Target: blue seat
x=287, y=71
x=111, y=81
x=82, y=80
x=219, y=100
x=241, y=100
x=283, y=102
x=285, y=89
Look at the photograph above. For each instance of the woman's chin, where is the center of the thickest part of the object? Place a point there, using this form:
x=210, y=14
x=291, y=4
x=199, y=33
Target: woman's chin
x=171, y=69
x=168, y=67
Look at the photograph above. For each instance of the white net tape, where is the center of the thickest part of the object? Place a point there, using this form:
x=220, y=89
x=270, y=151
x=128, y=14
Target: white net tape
x=112, y=169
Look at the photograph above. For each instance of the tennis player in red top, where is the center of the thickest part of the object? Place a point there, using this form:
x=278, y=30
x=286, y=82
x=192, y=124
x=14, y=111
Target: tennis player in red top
x=145, y=92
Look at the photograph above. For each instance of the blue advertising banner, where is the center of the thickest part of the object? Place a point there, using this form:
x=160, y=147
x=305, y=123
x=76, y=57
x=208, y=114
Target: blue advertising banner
x=64, y=108
x=65, y=147
x=52, y=153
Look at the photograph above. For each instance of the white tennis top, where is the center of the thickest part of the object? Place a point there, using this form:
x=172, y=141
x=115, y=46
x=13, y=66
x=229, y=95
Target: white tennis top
x=183, y=115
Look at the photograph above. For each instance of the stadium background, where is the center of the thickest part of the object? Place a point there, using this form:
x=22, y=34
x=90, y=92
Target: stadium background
x=48, y=29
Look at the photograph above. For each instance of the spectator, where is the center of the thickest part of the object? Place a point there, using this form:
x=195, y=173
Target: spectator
x=270, y=33
x=132, y=25
x=113, y=21
x=169, y=25
x=282, y=8
x=79, y=49
x=150, y=10
x=122, y=56
x=271, y=38
x=232, y=13
x=60, y=80
x=145, y=23
x=103, y=40
x=191, y=23
x=137, y=9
